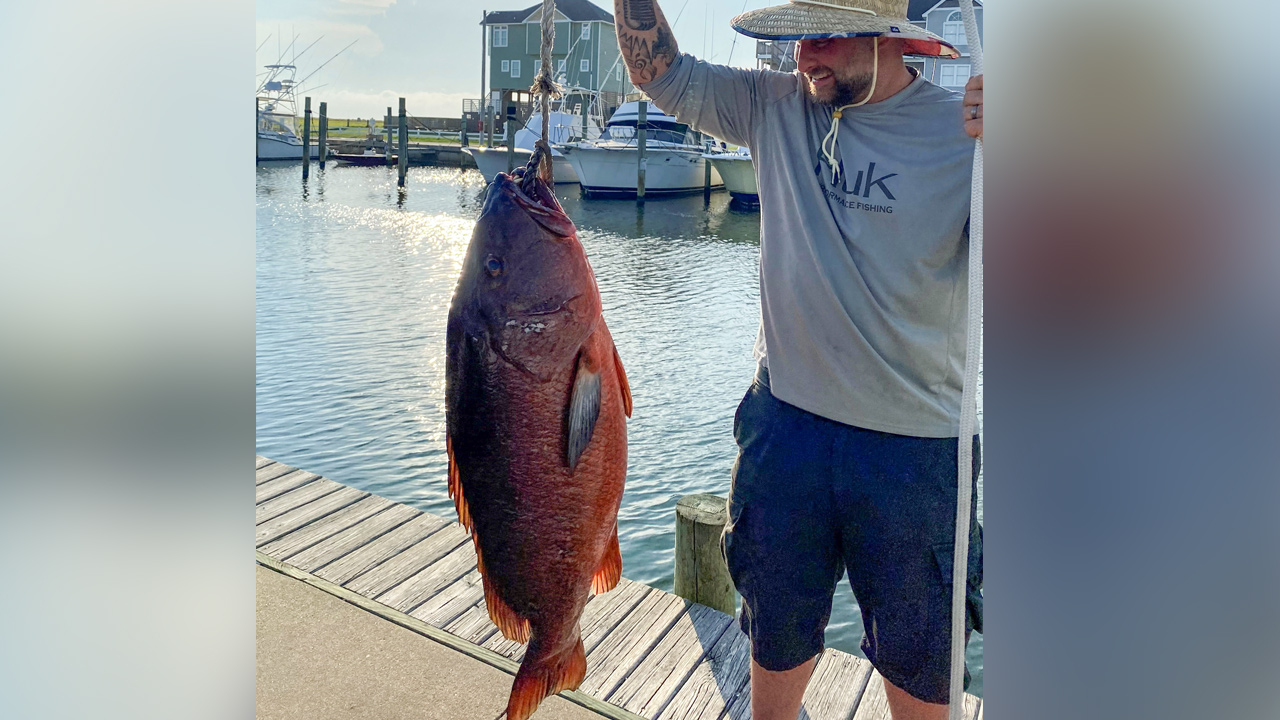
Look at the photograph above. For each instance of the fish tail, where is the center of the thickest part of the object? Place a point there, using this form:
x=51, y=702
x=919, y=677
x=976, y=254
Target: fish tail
x=539, y=677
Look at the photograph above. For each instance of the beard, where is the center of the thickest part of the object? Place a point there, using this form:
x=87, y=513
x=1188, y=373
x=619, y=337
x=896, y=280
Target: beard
x=847, y=89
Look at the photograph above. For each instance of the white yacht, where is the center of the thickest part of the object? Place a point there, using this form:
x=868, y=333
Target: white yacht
x=278, y=117
x=673, y=161
x=738, y=172
x=563, y=128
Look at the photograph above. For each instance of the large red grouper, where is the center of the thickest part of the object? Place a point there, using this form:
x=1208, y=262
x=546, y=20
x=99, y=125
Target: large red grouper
x=536, y=404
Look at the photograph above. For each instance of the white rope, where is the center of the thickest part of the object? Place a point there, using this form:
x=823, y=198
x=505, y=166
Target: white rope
x=834, y=133
x=968, y=399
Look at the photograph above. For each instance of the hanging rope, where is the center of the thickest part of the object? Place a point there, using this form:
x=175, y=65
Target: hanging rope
x=545, y=87
x=968, y=399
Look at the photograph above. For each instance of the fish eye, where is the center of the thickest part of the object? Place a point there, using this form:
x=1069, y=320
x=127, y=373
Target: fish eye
x=493, y=265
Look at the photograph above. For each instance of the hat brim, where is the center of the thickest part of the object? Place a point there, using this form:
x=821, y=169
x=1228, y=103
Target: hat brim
x=794, y=21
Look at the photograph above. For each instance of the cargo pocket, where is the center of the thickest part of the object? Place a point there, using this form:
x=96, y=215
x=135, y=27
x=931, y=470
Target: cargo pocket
x=944, y=554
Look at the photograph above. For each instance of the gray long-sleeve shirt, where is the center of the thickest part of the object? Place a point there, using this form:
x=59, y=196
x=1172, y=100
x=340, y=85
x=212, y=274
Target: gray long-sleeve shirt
x=863, y=283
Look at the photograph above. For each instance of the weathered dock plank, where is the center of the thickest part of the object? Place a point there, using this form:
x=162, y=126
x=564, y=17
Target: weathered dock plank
x=424, y=584
x=836, y=686
x=473, y=625
x=312, y=511
x=621, y=650
x=445, y=606
x=276, y=487
x=296, y=541
x=875, y=706
x=318, y=487
x=369, y=556
x=362, y=533
x=271, y=472
x=661, y=672
x=715, y=682
x=600, y=616
x=408, y=562
x=262, y=462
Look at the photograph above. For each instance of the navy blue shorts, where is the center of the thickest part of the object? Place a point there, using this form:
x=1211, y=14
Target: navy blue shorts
x=813, y=497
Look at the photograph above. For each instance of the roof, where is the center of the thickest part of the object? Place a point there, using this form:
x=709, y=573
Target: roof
x=934, y=5
x=575, y=10
x=916, y=9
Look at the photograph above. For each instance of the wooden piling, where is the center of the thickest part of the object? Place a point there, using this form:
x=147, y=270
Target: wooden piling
x=706, y=181
x=642, y=134
x=404, y=144
x=386, y=125
x=511, y=141
x=701, y=573
x=306, y=140
x=324, y=132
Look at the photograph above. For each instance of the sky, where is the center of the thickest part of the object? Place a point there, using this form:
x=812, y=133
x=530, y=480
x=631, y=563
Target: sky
x=428, y=51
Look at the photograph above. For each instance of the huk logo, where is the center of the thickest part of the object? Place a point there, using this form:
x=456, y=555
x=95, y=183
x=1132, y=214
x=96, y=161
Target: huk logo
x=863, y=182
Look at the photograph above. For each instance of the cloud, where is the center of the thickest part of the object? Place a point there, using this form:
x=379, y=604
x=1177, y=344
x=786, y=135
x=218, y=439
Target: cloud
x=361, y=7
x=336, y=35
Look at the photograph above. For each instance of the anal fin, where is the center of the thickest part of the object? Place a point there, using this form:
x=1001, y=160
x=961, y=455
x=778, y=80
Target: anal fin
x=610, y=570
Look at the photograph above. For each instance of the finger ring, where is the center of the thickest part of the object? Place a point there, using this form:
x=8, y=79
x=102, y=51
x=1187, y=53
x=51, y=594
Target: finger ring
x=973, y=112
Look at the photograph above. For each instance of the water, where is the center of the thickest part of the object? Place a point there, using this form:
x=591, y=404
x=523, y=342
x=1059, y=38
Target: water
x=354, y=278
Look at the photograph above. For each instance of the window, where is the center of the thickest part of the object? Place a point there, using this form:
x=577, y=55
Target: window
x=506, y=66
x=585, y=65
x=515, y=68
x=537, y=67
x=954, y=76
x=560, y=67
x=953, y=29
x=499, y=35
x=619, y=73
x=586, y=31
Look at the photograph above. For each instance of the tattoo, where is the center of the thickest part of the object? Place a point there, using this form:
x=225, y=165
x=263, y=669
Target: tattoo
x=639, y=59
x=664, y=47
x=639, y=14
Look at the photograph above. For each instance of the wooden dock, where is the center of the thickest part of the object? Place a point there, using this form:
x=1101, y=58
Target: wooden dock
x=650, y=654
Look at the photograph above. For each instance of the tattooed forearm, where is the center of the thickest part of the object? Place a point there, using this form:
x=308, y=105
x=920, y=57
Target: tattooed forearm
x=639, y=14
x=645, y=39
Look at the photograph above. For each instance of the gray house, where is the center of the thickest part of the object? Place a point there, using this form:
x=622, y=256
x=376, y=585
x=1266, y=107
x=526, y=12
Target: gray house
x=585, y=53
x=941, y=17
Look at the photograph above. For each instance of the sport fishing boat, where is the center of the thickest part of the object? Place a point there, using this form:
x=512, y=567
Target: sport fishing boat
x=564, y=127
x=738, y=172
x=278, y=116
x=673, y=159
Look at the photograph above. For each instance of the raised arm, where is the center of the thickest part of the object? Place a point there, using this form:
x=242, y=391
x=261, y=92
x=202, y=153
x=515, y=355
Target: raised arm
x=645, y=38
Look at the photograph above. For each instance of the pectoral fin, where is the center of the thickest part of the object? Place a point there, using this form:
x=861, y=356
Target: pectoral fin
x=584, y=408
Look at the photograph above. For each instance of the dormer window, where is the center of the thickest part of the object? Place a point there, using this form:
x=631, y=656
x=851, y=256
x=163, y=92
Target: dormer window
x=953, y=29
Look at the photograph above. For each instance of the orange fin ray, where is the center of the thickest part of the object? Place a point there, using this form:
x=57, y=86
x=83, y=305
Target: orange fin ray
x=610, y=571
x=455, y=488
x=510, y=624
x=536, y=681
x=622, y=381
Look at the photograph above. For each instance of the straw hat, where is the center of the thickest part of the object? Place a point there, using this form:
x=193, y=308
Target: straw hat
x=812, y=19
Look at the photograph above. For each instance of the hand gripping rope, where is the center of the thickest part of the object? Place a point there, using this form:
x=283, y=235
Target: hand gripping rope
x=968, y=398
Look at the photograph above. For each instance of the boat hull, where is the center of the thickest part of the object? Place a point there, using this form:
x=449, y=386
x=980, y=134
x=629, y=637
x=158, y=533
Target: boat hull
x=612, y=171
x=363, y=160
x=739, y=175
x=492, y=161
x=274, y=148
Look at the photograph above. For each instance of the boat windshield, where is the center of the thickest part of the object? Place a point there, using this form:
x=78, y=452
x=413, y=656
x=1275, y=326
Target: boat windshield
x=657, y=131
x=276, y=123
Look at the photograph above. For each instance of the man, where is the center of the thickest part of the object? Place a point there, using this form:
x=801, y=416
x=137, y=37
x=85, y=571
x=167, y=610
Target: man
x=847, y=438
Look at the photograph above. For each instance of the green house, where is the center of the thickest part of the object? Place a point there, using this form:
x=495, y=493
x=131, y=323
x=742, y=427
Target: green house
x=585, y=54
